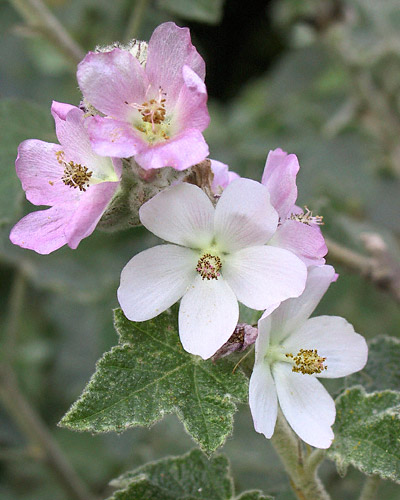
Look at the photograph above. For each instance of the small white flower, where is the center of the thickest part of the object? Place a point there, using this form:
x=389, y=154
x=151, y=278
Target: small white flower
x=218, y=257
x=291, y=351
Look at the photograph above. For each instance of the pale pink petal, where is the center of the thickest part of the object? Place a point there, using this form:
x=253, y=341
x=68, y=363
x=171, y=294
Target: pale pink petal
x=61, y=109
x=181, y=214
x=111, y=81
x=293, y=313
x=222, y=176
x=190, y=110
x=263, y=400
x=180, y=152
x=114, y=138
x=42, y=231
x=262, y=275
x=154, y=280
x=170, y=48
x=40, y=174
x=244, y=216
x=280, y=178
x=89, y=211
x=306, y=404
x=208, y=316
x=334, y=338
x=305, y=241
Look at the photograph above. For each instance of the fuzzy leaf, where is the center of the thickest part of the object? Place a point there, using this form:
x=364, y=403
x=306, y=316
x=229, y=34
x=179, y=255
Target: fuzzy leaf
x=383, y=369
x=189, y=477
x=19, y=120
x=367, y=431
x=206, y=11
x=148, y=375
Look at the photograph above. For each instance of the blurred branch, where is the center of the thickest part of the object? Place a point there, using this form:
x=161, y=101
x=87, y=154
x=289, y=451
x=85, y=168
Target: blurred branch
x=39, y=18
x=370, y=488
x=380, y=267
x=20, y=409
x=135, y=20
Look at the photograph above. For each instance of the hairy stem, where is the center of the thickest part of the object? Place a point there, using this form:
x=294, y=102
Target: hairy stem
x=38, y=17
x=303, y=474
x=370, y=488
x=135, y=20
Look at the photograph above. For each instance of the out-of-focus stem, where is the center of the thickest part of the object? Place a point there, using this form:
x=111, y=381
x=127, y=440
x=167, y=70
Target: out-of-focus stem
x=135, y=20
x=303, y=474
x=39, y=17
x=370, y=488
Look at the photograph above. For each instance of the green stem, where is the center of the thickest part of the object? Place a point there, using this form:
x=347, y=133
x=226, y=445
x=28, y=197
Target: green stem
x=370, y=488
x=303, y=474
x=38, y=17
x=135, y=20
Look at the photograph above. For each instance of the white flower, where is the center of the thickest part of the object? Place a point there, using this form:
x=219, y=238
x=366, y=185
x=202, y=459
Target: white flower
x=218, y=257
x=291, y=351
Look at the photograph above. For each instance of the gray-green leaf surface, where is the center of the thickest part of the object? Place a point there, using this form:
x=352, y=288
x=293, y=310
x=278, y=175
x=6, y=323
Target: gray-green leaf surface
x=148, y=375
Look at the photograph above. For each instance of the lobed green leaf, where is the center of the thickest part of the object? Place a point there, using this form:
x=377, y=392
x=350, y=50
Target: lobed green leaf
x=367, y=431
x=148, y=375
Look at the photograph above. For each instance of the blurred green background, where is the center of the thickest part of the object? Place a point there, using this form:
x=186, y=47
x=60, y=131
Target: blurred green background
x=317, y=78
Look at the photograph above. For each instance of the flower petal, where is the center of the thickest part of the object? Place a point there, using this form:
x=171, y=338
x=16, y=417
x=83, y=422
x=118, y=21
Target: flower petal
x=42, y=231
x=179, y=152
x=208, y=315
x=170, y=48
x=262, y=275
x=222, y=176
x=306, y=404
x=61, y=109
x=293, y=313
x=154, y=280
x=40, y=174
x=190, y=110
x=182, y=214
x=89, y=211
x=244, y=216
x=280, y=178
x=305, y=241
x=334, y=338
x=110, y=81
x=263, y=399
x=262, y=340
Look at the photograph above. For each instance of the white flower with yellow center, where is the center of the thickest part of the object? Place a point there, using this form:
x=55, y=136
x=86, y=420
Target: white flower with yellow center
x=218, y=256
x=291, y=351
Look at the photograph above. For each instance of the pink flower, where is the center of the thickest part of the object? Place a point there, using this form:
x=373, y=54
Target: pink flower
x=74, y=181
x=155, y=112
x=216, y=256
x=298, y=231
x=222, y=176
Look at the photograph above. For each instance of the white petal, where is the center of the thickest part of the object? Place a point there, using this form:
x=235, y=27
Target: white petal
x=262, y=340
x=263, y=400
x=306, y=404
x=182, y=214
x=155, y=279
x=292, y=313
x=208, y=315
x=244, y=216
x=262, y=275
x=335, y=339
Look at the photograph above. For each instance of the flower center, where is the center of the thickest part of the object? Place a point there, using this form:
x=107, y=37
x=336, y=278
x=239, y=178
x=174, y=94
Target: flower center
x=307, y=362
x=209, y=266
x=75, y=174
x=307, y=218
x=153, y=114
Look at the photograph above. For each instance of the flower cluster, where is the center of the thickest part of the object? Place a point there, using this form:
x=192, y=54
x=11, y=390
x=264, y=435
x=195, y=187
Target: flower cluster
x=229, y=239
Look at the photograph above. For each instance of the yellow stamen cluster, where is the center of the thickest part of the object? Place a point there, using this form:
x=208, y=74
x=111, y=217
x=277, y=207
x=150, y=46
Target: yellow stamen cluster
x=307, y=362
x=75, y=174
x=209, y=266
x=307, y=218
x=153, y=111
